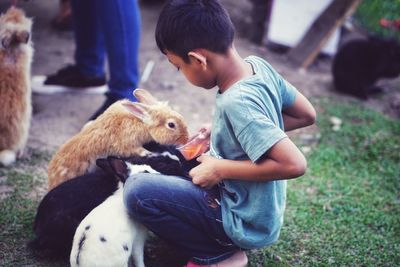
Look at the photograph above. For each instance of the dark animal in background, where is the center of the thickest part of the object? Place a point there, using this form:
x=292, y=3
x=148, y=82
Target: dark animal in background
x=359, y=64
x=63, y=208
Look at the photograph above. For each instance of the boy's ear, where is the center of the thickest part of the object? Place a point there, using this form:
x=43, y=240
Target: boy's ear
x=200, y=58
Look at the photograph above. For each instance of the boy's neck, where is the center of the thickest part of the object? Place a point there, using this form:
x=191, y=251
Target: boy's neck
x=231, y=68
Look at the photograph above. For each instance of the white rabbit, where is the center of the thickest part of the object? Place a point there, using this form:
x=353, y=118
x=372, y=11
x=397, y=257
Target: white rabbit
x=107, y=236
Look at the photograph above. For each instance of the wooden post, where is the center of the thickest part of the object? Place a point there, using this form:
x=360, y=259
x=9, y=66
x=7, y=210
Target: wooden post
x=305, y=52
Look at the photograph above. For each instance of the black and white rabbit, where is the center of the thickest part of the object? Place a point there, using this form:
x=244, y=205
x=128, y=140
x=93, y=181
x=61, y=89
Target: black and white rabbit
x=360, y=63
x=64, y=207
x=107, y=236
x=172, y=163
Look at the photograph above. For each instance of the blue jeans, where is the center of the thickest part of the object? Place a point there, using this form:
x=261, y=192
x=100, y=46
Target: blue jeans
x=181, y=213
x=109, y=27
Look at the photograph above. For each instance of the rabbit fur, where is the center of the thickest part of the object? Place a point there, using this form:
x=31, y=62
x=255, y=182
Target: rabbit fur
x=108, y=236
x=360, y=63
x=64, y=207
x=15, y=92
x=120, y=131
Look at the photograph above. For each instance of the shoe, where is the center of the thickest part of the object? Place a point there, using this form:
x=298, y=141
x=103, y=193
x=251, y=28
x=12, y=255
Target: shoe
x=38, y=87
x=68, y=80
x=192, y=264
x=108, y=102
x=70, y=76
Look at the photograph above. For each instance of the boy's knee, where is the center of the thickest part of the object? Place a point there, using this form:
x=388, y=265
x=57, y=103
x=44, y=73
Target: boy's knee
x=135, y=189
x=142, y=189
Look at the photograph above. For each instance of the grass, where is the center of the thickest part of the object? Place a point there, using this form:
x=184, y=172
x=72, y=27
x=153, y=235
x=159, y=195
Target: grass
x=18, y=209
x=344, y=212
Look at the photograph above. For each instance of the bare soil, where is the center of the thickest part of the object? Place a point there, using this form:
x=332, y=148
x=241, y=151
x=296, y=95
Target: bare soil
x=57, y=117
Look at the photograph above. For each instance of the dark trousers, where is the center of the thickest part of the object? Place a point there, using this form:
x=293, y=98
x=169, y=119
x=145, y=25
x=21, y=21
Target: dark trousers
x=108, y=29
x=181, y=213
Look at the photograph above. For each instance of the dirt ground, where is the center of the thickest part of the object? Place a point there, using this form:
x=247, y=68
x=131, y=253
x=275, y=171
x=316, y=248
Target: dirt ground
x=57, y=117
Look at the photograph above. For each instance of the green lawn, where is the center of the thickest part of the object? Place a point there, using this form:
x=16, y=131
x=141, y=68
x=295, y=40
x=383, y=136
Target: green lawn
x=344, y=212
x=25, y=185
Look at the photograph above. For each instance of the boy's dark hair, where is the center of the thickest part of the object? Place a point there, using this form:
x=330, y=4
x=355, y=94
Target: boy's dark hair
x=185, y=25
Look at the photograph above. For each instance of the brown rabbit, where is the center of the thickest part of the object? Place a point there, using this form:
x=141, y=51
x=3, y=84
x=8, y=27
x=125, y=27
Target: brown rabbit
x=120, y=131
x=15, y=92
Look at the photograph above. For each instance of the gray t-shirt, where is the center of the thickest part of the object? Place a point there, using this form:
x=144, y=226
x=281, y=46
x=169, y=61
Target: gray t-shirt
x=247, y=123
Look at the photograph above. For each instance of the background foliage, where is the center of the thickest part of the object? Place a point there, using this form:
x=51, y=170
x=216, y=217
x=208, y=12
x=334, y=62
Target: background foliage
x=370, y=12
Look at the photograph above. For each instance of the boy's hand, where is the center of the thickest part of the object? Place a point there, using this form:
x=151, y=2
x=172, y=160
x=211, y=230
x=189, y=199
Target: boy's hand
x=205, y=174
x=205, y=130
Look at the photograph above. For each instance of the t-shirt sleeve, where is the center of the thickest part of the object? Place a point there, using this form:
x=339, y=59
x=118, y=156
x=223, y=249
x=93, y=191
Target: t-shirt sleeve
x=255, y=132
x=258, y=137
x=288, y=92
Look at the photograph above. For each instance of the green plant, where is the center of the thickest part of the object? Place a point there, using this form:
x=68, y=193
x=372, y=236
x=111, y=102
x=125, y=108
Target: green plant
x=370, y=12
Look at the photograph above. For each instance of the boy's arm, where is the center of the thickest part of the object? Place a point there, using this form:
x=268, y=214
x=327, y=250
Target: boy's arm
x=298, y=115
x=282, y=161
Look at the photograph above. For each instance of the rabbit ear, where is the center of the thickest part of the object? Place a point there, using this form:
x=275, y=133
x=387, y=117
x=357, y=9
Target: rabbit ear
x=119, y=167
x=104, y=165
x=139, y=110
x=144, y=96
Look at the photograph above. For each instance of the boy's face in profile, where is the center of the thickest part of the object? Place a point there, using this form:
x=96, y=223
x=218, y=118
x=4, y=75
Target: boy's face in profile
x=196, y=72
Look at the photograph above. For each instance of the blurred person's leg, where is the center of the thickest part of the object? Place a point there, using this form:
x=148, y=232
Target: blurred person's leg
x=89, y=55
x=120, y=22
x=104, y=27
x=89, y=39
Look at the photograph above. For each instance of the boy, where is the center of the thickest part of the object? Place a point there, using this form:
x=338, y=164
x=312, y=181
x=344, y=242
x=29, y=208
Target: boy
x=236, y=198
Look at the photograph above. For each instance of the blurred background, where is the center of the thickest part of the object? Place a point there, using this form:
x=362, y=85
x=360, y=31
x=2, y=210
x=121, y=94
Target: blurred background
x=344, y=212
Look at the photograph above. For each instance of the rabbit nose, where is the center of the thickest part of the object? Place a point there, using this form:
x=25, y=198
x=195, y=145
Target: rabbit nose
x=182, y=140
x=21, y=37
x=17, y=38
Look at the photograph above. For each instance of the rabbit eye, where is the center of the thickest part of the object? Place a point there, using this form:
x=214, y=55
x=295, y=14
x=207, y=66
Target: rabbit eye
x=171, y=125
